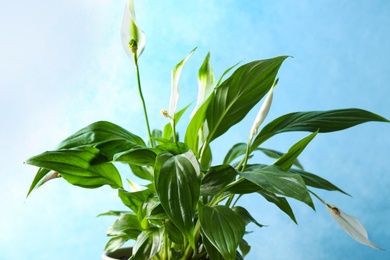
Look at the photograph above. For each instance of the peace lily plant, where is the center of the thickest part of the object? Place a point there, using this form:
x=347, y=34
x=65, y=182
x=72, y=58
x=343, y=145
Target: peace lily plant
x=186, y=207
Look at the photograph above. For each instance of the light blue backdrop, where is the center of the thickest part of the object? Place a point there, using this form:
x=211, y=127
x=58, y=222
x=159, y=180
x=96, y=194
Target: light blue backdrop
x=62, y=67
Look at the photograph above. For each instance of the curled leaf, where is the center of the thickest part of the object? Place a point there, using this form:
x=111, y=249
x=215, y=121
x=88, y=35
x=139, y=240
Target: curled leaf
x=351, y=225
x=133, y=39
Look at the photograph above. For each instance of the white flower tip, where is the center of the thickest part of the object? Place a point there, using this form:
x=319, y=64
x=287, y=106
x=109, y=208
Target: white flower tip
x=351, y=225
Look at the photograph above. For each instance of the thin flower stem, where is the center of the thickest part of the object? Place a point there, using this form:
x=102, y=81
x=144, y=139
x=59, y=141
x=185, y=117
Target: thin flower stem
x=142, y=98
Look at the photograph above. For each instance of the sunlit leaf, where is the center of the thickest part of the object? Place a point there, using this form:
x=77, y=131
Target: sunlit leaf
x=148, y=244
x=223, y=228
x=323, y=121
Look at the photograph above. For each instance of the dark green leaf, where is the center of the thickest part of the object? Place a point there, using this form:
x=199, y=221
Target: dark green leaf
x=236, y=151
x=276, y=155
x=237, y=95
x=178, y=187
x=324, y=121
x=280, y=202
x=217, y=178
x=316, y=181
x=212, y=252
x=244, y=247
x=107, y=137
x=223, y=228
x=137, y=156
x=287, y=160
x=245, y=216
x=274, y=180
x=173, y=232
x=78, y=167
x=147, y=244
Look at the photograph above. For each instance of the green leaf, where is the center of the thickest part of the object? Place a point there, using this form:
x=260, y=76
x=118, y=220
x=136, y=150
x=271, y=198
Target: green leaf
x=38, y=180
x=217, y=177
x=316, y=181
x=148, y=244
x=287, y=160
x=127, y=223
x=109, y=138
x=323, y=121
x=212, y=252
x=138, y=156
x=223, y=228
x=274, y=180
x=236, y=151
x=226, y=72
x=178, y=187
x=237, y=95
x=116, y=242
x=246, y=216
x=134, y=200
x=195, y=125
x=280, y=202
x=79, y=167
x=142, y=172
x=244, y=247
x=173, y=232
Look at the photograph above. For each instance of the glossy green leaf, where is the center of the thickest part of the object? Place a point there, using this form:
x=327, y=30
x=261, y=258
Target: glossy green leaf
x=127, y=223
x=280, y=202
x=173, y=232
x=236, y=151
x=79, y=167
x=287, y=160
x=178, y=186
x=274, y=180
x=276, y=155
x=212, y=252
x=137, y=156
x=134, y=200
x=244, y=247
x=246, y=216
x=323, y=121
x=109, y=138
x=316, y=181
x=216, y=178
x=38, y=179
x=148, y=244
x=116, y=242
x=237, y=95
x=223, y=228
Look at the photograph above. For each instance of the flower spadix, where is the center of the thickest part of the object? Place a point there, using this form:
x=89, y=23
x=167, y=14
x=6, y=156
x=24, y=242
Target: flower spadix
x=133, y=39
x=351, y=225
x=263, y=112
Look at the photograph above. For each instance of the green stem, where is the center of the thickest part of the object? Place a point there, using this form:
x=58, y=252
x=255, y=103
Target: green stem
x=142, y=98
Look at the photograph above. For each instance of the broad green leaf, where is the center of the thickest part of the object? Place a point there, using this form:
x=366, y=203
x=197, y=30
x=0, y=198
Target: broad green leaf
x=109, y=138
x=274, y=180
x=246, y=216
x=173, y=148
x=79, y=167
x=178, y=186
x=287, y=160
x=125, y=224
x=130, y=31
x=137, y=156
x=134, y=200
x=280, y=202
x=148, y=244
x=243, y=186
x=205, y=82
x=212, y=252
x=116, y=242
x=175, y=76
x=323, y=121
x=316, y=181
x=237, y=95
x=216, y=178
x=223, y=228
x=173, y=232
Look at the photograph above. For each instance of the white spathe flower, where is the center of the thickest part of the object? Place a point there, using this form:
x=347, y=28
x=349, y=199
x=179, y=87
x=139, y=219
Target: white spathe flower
x=262, y=114
x=351, y=225
x=131, y=32
x=175, y=92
